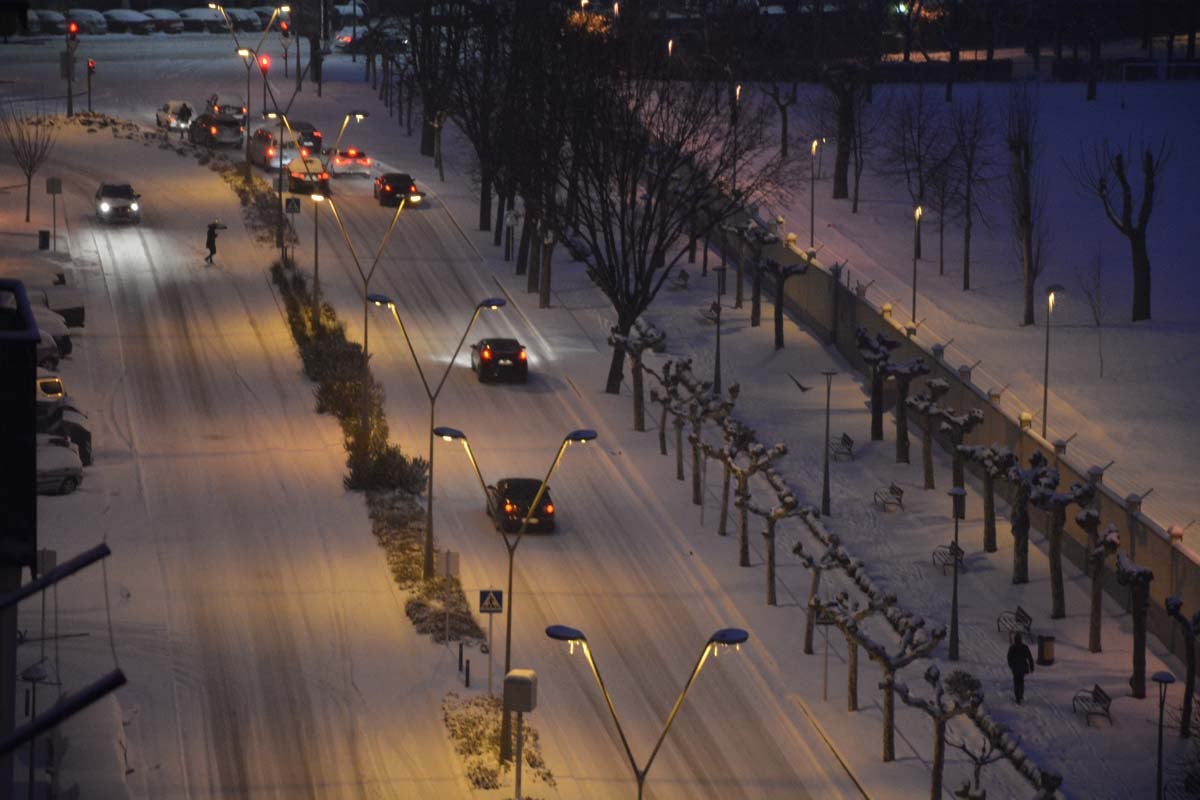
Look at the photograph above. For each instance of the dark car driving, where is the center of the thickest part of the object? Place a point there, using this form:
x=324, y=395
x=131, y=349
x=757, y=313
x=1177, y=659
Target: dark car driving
x=391, y=187
x=308, y=135
x=509, y=500
x=500, y=358
x=209, y=130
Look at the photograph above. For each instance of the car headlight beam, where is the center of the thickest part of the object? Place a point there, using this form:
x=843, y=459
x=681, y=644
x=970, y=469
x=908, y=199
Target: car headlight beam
x=105, y=208
x=133, y=207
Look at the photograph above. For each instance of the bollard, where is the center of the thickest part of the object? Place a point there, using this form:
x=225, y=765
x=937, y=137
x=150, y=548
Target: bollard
x=468, y=676
x=460, y=662
x=939, y=351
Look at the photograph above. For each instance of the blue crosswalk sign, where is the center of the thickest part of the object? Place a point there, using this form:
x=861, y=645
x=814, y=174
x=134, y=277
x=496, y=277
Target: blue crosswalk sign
x=491, y=601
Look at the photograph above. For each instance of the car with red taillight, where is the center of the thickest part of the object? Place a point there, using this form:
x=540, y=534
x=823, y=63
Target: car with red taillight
x=349, y=161
x=495, y=359
x=308, y=176
x=509, y=501
x=209, y=130
x=270, y=152
x=392, y=187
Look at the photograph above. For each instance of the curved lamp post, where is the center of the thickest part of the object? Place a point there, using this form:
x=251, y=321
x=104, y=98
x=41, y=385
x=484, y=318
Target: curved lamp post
x=725, y=637
x=1163, y=679
x=491, y=303
x=357, y=116
x=1051, y=290
x=580, y=436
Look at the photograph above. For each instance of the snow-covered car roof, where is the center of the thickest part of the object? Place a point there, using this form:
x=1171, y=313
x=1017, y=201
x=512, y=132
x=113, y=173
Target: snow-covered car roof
x=52, y=456
x=84, y=13
x=127, y=15
x=301, y=165
x=32, y=273
x=161, y=13
x=48, y=14
x=205, y=14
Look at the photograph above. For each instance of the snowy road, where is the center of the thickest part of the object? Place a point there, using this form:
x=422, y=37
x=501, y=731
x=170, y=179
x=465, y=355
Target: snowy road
x=267, y=649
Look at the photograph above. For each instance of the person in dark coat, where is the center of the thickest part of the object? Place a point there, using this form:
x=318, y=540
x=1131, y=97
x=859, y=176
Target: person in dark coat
x=1020, y=661
x=185, y=118
x=210, y=241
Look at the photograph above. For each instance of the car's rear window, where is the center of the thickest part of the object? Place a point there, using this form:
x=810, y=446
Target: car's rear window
x=522, y=488
x=504, y=344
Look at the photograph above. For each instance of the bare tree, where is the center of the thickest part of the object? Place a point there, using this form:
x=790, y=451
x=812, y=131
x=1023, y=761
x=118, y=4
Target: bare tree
x=1091, y=286
x=30, y=141
x=1095, y=172
x=1191, y=628
x=943, y=197
x=1099, y=549
x=972, y=148
x=960, y=693
x=867, y=117
x=914, y=134
x=1026, y=190
x=988, y=752
x=846, y=83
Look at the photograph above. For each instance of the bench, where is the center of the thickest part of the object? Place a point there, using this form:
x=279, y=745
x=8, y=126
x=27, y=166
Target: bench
x=889, y=496
x=1014, y=622
x=1092, y=702
x=842, y=447
x=679, y=280
x=946, y=554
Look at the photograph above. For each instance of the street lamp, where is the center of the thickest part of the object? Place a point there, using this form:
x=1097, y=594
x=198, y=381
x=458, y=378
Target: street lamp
x=1050, y=292
x=737, y=107
x=450, y=434
x=916, y=252
x=958, y=497
x=490, y=303
x=726, y=637
x=317, y=199
x=358, y=116
x=249, y=57
x=812, y=195
x=1163, y=679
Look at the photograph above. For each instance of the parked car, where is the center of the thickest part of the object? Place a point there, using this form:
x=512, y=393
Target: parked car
x=34, y=272
x=308, y=176
x=208, y=130
x=509, y=500
x=227, y=106
x=203, y=20
x=266, y=12
x=270, y=152
x=33, y=23
x=47, y=350
x=125, y=20
x=59, y=469
x=244, y=19
x=51, y=21
x=495, y=358
x=118, y=202
x=349, y=161
x=90, y=21
x=61, y=418
x=48, y=386
x=308, y=135
x=56, y=328
x=66, y=301
x=390, y=187
x=170, y=115
x=165, y=20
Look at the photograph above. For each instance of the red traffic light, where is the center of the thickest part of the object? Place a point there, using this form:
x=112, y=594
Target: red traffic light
x=72, y=30
x=285, y=29
x=91, y=66
x=264, y=63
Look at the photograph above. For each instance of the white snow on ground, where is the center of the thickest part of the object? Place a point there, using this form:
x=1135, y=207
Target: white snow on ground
x=636, y=566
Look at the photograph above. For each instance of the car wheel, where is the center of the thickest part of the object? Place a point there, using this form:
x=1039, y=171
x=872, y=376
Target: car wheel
x=69, y=485
x=482, y=376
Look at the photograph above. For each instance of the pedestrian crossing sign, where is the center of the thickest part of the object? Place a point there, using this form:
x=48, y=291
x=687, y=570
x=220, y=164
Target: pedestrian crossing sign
x=491, y=601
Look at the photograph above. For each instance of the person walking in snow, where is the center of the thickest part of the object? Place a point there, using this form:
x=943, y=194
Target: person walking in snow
x=210, y=240
x=1020, y=661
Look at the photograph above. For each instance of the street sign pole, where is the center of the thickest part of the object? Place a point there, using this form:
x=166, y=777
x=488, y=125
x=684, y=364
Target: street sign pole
x=490, y=618
x=491, y=602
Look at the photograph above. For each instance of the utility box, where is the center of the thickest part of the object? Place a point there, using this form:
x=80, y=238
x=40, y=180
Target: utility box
x=18, y=443
x=520, y=690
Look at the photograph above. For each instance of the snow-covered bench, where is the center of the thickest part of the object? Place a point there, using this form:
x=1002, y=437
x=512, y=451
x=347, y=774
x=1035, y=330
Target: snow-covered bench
x=679, y=279
x=842, y=447
x=946, y=554
x=1092, y=702
x=889, y=496
x=1012, y=622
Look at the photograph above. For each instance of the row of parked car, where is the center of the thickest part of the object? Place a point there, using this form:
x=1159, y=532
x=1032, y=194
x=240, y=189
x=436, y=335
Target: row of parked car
x=151, y=20
x=64, y=442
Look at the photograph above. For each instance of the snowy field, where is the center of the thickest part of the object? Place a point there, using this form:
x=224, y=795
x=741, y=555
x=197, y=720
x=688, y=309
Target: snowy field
x=231, y=619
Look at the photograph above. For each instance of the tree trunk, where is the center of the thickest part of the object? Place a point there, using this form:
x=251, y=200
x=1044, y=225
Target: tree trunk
x=428, y=133
x=902, y=422
x=889, y=716
x=1058, y=601
x=783, y=132
x=485, y=200
x=726, y=479
x=927, y=453
x=498, y=231
x=957, y=472
x=1139, y=607
x=1096, y=567
x=941, y=243
x=779, y=282
x=989, y=512
x=696, y=456
x=677, y=423
x=741, y=274
x=841, y=159
x=616, y=369
x=810, y=620
x=28, y=193
x=639, y=390
x=851, y=674
x=1189, y=684
x=1020, y=532
x=939, y=758
x=756, y=282
x=1141, y=276
x=769, y=535
x=876, y=405
x=534, y=272
x=967, y=239
x=544, y=275
x=743, y=494
x=523, y=247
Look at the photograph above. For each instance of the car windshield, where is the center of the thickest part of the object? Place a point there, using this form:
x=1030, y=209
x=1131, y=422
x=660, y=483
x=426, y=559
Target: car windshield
x=521, y=489
x=503, y=345
x=119, y=190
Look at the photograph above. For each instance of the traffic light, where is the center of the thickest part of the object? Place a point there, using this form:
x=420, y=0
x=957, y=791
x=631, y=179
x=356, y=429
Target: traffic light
x=91, y=66
x=72, y=31
x=264, y=64
x=285, y=30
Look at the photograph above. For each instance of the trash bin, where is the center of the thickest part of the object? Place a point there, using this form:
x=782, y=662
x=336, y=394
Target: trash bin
x=1045, y=656
x=43, y=240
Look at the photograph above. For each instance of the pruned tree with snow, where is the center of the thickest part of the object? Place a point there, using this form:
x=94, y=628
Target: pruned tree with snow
x=1026, y=190
x=1024, y=482
x=957, y=426
x=994, y=462
x=817, y=564
x=751, y=239
x=736, y=438
x=759, y=272
x=1191, y=629
x=956, y=695
x=786, y=505
x=915, y=643
x=971, y=130
x=850, y=613
x=1045, y=783
x=779, y=276
x=1099, y=549
x=926, y=404
x=705, y=407
x=1096, y=171
x=642, y=338
x=1138, y=580
x=904, y=374
x=665, y=398
x=987, y=752
x=1044, y=496
x=876, y=352
x=30, y=140
x=759, y=458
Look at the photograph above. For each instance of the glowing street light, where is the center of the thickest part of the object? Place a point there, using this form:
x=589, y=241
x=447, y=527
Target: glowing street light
x=357, y=116
x=724, y=638
x=916, y=234
x=812, y=194
x=1050, y=292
